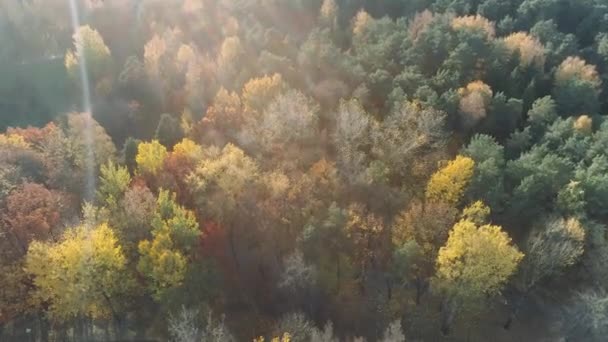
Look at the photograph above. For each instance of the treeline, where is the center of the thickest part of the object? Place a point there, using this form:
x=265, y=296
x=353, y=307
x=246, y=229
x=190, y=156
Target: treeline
x=301, y=170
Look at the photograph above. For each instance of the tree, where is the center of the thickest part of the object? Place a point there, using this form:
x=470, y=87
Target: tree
x=329, y=13
x=88, y=141
x=84, y=274
x=585, y=318
x=150, y=157
x=129, y=153
x=450, y=182
x=218, y=181
x=89, y=48
x=410, y=132
x=417, y=234
x=393, y=333
x=474, y=102
x=352, y=137
x=474, y=263
x=577, y=87
x=185, y=328
x=224, y=118
x=290, y=123
x=168, y=131
x=553, y=246
x=34, y=212
x=530, y=51
x=163, y=259
x=474, y=22
x=259, y=92
x=487, y=182
x=114, y=181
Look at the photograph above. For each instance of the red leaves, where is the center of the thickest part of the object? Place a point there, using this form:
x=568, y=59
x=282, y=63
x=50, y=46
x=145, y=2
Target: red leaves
x=34, y=213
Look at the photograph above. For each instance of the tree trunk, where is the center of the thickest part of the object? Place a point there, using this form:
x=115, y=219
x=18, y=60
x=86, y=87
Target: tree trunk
x=421, y=287
x=337, y=273
x=233, y=250
x=44, y=328
x=389, y=288
x=448, y=312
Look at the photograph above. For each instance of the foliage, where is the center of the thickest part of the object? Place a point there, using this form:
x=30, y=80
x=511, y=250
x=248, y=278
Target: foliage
x=150, y=157
x=476, y=261
x=83, y=274
x=449, y=183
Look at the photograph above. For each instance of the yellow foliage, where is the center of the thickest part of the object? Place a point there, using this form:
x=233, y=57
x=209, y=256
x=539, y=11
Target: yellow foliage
x=477, y=212
x=329, y=11
x=584, y=124
x=476, y=87
x=474, y=22
x=577, y=68
x=153, y=51
x=188, y=148
x=13, y=140
x=230, y=51
x=476, y=261
x=531, y=51
x=150, y=157
x=360, y=22
x=161, y=263
x=258, y=92
x=449, y=183
x=575, y=229
x=185, y=55
x=77, y=274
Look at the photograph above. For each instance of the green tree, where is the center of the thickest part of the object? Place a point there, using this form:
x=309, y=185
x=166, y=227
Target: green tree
x=164, y=259
x=114, y=181
x=168, y=131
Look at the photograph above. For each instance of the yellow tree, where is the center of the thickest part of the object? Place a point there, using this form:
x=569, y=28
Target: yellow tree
x=83, y=275
x=530, y=50
x=474, y=22
x=188, y=149
x=474, y=264
x=150, y=157
x=450, y=182
x=259, y=92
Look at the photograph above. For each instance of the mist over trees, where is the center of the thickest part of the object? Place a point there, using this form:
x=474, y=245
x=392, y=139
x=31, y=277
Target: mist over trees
x=294, y=170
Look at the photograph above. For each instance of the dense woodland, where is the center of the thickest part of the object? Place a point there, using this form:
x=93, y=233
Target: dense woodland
x=304, y=170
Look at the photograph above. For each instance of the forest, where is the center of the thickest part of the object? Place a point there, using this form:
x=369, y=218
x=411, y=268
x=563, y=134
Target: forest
x=303, y=170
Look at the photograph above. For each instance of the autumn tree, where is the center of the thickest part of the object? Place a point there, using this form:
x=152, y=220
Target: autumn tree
x=530, y=51
x=474, y=101
x=164, y=259
x=34, y=212
x=417, y=234
x=474, y=22
x=450, y=182
x=89, y=48
x=259, y=92
x=150, y=157
x=84, y=274
x=577, y=87
x=475, y=263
